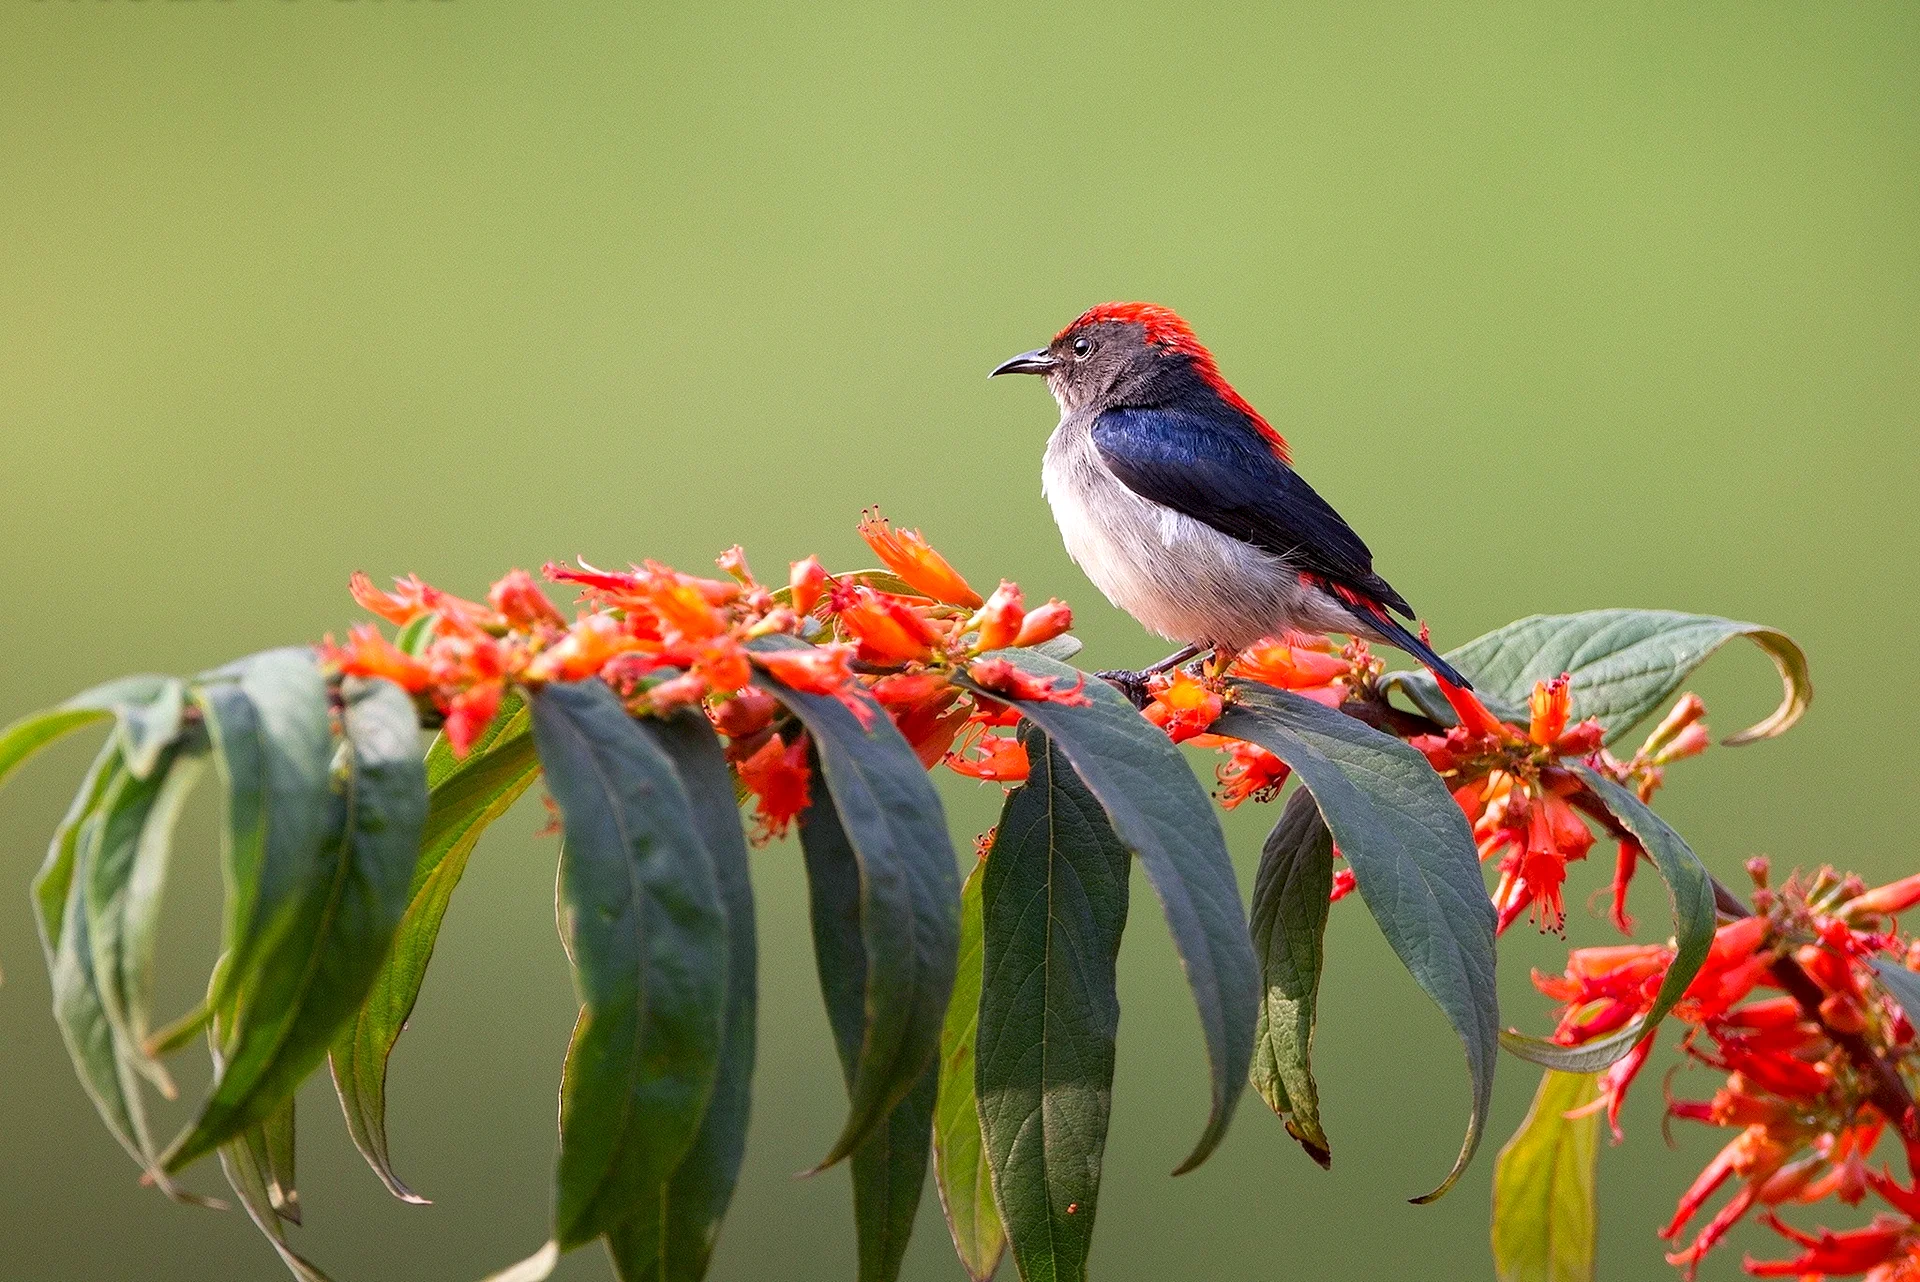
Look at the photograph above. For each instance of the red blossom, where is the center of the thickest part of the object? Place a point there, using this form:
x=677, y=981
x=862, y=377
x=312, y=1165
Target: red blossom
x=519, y=601
x=995, y=757
x=999, y=621
x=1044, y=623
x=778, y=777
x=369, y=654
x=908, y=555
x=1001, y=677
x=1183, y=705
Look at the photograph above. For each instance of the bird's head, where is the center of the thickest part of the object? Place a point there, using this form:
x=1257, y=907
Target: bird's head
x=1133, y=356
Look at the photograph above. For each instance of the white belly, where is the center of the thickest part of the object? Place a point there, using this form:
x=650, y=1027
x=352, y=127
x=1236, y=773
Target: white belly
x=1180, y=578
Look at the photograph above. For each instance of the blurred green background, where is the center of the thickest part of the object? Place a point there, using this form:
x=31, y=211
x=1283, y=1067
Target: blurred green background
x=1562, y=306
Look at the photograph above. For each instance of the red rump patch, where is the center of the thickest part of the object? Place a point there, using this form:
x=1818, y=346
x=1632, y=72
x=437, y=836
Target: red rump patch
x=1166, y=329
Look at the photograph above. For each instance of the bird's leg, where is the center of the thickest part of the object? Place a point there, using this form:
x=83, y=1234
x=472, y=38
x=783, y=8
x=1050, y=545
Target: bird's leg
x=1134, y=684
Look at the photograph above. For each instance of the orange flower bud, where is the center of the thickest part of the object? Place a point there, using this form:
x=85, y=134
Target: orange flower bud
x=468, y=714
x=1883, y=901
x=520, y=601
x=1685, y=712
x=908, y=555
x=1690, y=742
x=369, y=654
x=746, y=713
x=808, y=582
x=1045, y=623
x=734, y=562
x=1000, y=619
x=815, y=670
x=1009, y=682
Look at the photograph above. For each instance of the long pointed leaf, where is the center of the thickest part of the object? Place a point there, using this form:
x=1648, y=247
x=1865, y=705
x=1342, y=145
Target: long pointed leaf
x=118, y=698
x=1162, y=815
x=909, y=895
x=1413, y=858
x=960, y=1165
x=1544, y=1219
x=328, y=899
x=889, y=1164
x=248, y=1167
x=1289, y=923
x=1624, y=664
x=671, y=1236
x=122, y=899
x=1054, y=904
x=642, y=921
x=467, y=797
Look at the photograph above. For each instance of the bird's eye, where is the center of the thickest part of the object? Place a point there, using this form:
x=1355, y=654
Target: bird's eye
x=1081, y=346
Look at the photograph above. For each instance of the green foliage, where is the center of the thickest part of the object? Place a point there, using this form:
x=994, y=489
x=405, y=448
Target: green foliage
x=1544, y=1218
x=641, y=919
x=1159, y=812
x=959, y=1150
x=1289, y=923
x=1054, y=904
x=1624, y=664
x=977, y=1029
x=1413, y=858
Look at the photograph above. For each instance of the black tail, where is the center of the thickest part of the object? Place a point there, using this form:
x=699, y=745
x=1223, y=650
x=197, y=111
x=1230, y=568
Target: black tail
x=1378, y=620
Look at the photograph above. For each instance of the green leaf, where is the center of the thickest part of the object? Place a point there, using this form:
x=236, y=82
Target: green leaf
x=1053, y=906
x=248, y=1165
x=277, y=1139
x=1162, y=815
x=328, y=862
x=1689, y=890
x=122, y=900
x=122, y=698
x=889, y=1164
x=1544, y=1219
x=909, y=895
x=101, y=1057
x=642, y=922
x=670, y=1238
x=1624, y=664
x=1289, y=921
x=960, y=1167
x=466, y=797
x=1413, y=858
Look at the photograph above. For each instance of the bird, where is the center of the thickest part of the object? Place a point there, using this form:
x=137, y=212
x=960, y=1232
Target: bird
x=1180, y=501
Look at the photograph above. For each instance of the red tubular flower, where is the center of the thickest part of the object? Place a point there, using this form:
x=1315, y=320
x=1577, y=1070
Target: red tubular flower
x=734, y=562
x=908, y=555
x=369, y=654
x=997, y=758
x=1009, y=682
x=808, y=582
x=469, y=712
x=1473, y=714
x=586, y=648
x=1344, y=884
x=1829, y=1253
x=722, y=664
x=825, y=669
x=1317, y=674
x=886, y=628
x=778, y=777
x=401, y=606
x=519, y=600
x=1549, y=706
x=1883, y=901
x=747, y=712
x=1044, y=623
x=1626, y=861
x=1183, y=705
x=1000, y=619
x=1251, y=773
x=686, y=605
x=926, y=709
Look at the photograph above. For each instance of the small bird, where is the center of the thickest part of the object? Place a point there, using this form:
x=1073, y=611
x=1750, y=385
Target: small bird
x=1180, y=502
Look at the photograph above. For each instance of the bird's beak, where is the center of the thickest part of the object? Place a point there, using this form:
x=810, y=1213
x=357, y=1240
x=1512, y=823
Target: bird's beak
x=1037, y=361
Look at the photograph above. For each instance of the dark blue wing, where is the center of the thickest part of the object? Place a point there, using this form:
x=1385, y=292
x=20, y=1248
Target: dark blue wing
x=1217, y=470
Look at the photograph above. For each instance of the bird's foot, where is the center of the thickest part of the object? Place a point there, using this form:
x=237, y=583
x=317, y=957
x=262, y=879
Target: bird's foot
x=1131, y=684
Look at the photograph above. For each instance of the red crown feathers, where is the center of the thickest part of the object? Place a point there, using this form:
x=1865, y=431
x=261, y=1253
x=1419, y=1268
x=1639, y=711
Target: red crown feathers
x=1165, y=329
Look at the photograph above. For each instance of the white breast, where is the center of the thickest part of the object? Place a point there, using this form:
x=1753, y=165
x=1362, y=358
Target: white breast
x=1180, y=578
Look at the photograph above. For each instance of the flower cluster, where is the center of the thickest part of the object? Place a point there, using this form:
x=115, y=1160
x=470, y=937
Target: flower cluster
x=1817, y=1062
x=663, y=640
